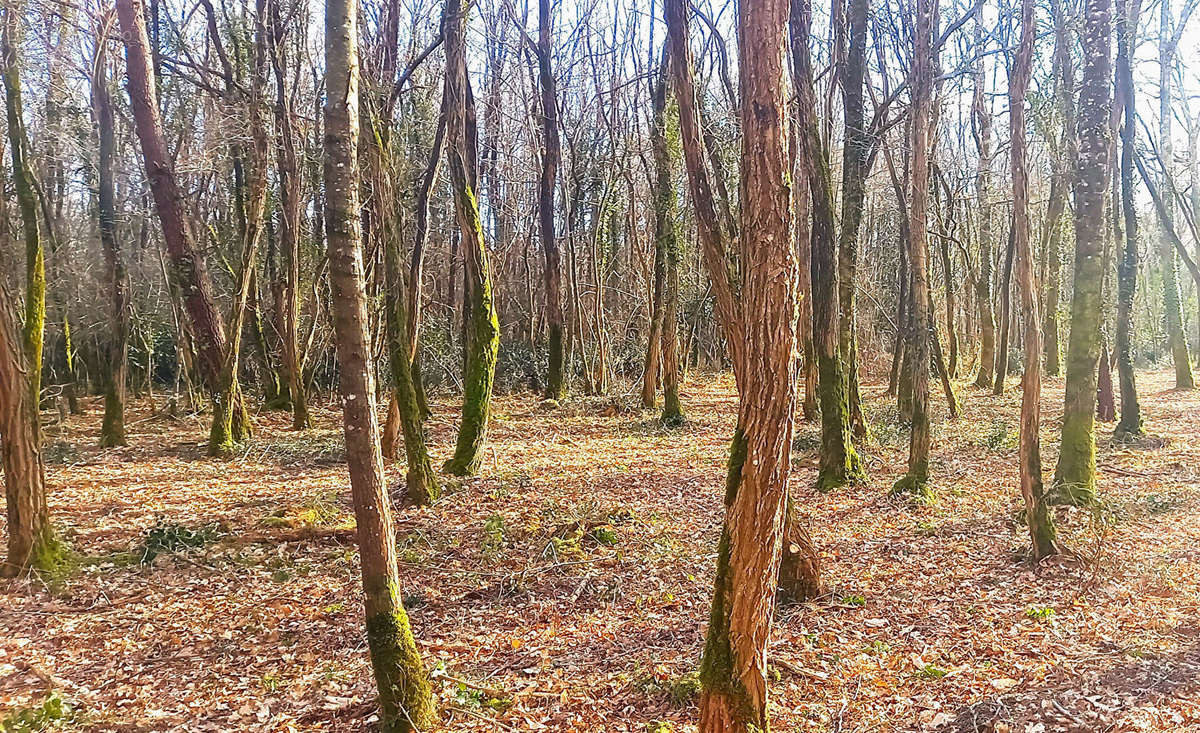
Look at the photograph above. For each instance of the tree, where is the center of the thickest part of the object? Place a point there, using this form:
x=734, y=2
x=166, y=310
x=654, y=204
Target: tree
x=916, y=480
x=112, y=431
x=556, y=383
x=665, y=142
x=1168, y=43
x=1075, y=474
x=33, y=330
x=188, y=272
x=839, y=462
x=405, y=698
x=483, y=328
x=1041, y=523
x=1060, y=184
x=755, y=300
x=981, y=130
x=1130, y=422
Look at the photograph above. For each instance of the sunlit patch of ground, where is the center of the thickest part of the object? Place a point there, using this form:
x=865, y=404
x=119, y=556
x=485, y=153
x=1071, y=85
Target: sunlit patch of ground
x=566, y=589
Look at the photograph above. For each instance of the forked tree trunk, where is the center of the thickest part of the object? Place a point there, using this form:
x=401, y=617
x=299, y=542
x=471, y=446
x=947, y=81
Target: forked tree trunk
x=1075, y=475
x=405, y=697
x=1040, y=521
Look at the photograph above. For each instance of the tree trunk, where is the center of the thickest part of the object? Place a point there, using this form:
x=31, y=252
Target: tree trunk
x=405, y=697
x=916, y=481
x=31, y=539
x=290, y=203
x=484, y=327
x=839, y=462
x=1173, y=318
x=112, y=430
x=1075, y=474
x=981, y=113
x=854, y=182
x=1130, y=423
x=188, y=273
x=665, y=141
x=556, y=383
x=1005, y=315
x=1041, y=522
x=34, y=327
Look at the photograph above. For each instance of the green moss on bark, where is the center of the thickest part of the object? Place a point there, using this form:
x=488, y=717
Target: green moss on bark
x=405, y=696
x=839, y=463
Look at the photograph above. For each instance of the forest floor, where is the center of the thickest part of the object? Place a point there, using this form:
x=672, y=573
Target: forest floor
x=567, y=588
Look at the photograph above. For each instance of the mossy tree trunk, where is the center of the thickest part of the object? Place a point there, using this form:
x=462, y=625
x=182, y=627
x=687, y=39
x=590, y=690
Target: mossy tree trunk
x=483, y=327
x=405, y=697
x=34, y=327
x=916, y=481
x=1130, y=422
x=755, y=295
x=31, y=539
x=112, y=430
x=854, y=183
x=839, y=462
x=1075, y=474
x=665, y=141
x=1040, y=521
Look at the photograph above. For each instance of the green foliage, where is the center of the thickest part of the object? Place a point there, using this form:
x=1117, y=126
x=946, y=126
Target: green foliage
x=931, y=672
x=493, y=535
x=854, y=600
x=879, y=647
x=476, y=699
x=1040, y=614
x=52, y=710
x=999, y=438
x=659, y=726
x=166, y=538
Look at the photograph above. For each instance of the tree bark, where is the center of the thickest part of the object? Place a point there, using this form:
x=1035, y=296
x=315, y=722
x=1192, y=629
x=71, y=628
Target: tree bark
x=1130, y=422
x=916, y=481
x=1075, y=474
x=981, y=116
x=484, y=327
x=839, y=462
x=1038, y=517
x=556, y=383
x=405, y=697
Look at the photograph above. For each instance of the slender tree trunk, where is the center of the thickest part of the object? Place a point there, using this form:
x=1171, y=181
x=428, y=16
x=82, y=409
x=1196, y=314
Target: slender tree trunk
x=405, y=697
x=112, y=431
x=808, y=367
x=484, y=327
x=839, y=462
x=981, y=114
x=1075, y=475
x=916, y=481
x=188, y=273
x=290, y=203
x=1173, y=318
x=34, y=327
x=1005, y=315
x=1130, y=423
x=1041, y=522
x=556, y=383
